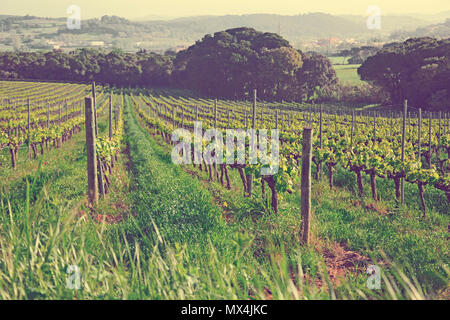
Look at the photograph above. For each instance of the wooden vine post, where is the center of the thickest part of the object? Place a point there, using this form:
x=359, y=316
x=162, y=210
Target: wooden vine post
x=439, y=124
x=249, y=177
x=91, y=151
x=215, y=113
x=430, y=116
x=262, y=117
x=439, y=134
x=28, y=129
x=94, y=106
x=116, y=116
x=48, y=115
x=420, y=134
x=173, y=115
x=320, y=126
x=306, y=184
x=351, y=132
x=254, y=110
x=101, y=178
x=446, y=123
x=319, y=162
x=374, y=129
x=110, y=118
x=402, y=181
x=245, y=119
x=409, y=122
x=276, y=118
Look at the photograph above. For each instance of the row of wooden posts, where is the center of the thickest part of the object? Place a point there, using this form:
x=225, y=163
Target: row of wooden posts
x=307, y=153
x=95, y=174
x=442, y=127
x=307, y=149
x=306, y=170
x=306, y=165
x=48, y=120
x=353, y=124
x=405, y=112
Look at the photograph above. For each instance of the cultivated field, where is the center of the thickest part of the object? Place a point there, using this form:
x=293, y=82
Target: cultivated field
x=204, y=231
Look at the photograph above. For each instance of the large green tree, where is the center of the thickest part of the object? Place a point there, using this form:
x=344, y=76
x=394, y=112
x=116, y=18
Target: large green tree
x=232, y=63
x=316, y=75
x=417, y=69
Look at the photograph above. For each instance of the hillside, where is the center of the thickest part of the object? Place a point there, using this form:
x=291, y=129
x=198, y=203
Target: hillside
x=313, y=31
x=438, y=30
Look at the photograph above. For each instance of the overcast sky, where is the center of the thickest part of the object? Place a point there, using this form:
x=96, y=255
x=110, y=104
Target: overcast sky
x=177, y=8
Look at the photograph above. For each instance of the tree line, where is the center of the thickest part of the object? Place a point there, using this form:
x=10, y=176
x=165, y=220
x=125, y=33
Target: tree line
x=231, y=63
x=116, y=67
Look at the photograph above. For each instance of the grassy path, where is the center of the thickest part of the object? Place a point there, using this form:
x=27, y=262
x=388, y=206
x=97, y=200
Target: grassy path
x=182, y=210
x=181, y=216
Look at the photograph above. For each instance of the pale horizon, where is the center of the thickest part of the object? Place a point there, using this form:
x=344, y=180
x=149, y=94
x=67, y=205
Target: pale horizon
x=135, y=9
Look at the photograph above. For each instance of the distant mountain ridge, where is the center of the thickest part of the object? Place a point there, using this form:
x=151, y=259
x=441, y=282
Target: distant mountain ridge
x=434, y=18
x=296, y=28
x=314, y=25
x=438, y=30
x=311, y=25
x=319, y=32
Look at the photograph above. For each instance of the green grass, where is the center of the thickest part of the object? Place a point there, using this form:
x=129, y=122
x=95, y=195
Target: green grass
x=382, y=231
x=345, y=72
x=348, y=73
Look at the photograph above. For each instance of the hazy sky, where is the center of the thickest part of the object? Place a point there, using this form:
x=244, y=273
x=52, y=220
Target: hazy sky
x=173, y=8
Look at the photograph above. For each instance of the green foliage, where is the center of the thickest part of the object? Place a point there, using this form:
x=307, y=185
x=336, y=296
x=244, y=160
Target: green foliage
x=234, y=62
x=417, y=70
x=116, y=67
